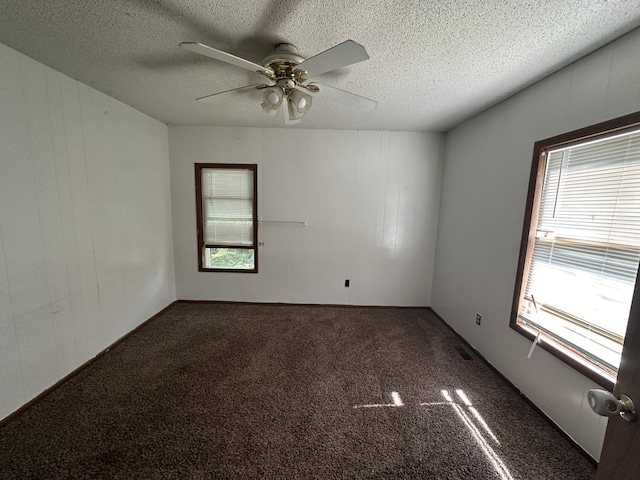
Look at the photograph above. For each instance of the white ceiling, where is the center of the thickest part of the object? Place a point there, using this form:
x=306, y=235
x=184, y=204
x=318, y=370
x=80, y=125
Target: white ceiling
x=433, y=63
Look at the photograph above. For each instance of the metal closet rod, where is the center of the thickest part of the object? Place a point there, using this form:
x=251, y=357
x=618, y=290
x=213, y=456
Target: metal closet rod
x=283, y=222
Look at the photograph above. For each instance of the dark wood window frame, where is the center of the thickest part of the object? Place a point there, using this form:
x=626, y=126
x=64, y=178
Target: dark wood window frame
x=536, y=180
x=199, y=214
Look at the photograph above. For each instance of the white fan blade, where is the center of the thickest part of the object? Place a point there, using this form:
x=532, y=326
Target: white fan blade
x=341, y=55
x=225, y=57
x=346, y=98
x=217, y=96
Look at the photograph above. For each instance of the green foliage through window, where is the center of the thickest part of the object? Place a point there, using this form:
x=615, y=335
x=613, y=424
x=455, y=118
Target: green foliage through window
x=232, y=258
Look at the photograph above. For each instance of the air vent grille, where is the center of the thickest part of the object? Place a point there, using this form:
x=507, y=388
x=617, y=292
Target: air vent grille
x=462, y=352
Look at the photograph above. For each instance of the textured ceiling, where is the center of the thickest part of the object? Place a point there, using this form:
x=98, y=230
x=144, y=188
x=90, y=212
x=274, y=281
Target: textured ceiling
x=433, y=63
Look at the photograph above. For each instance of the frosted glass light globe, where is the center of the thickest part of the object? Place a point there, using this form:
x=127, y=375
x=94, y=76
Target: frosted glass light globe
x=273, y=98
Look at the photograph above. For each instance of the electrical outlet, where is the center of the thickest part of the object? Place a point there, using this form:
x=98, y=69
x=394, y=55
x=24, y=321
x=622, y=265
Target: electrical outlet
x=346, y=283
x=478, y=318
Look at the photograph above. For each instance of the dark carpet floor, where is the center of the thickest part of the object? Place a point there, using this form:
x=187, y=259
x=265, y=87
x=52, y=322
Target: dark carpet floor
x=218, y=391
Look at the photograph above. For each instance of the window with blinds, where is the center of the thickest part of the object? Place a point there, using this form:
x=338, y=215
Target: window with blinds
x=583, y=248
x=226, y=196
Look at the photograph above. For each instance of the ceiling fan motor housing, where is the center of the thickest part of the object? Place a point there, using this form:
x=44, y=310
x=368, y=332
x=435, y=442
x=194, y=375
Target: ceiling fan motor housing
x=283, y=53
x=283, y=62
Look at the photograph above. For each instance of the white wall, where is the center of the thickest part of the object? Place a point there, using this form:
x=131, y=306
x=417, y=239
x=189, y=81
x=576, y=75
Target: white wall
x=484, y=191
x=370, y=200
x=85, y=225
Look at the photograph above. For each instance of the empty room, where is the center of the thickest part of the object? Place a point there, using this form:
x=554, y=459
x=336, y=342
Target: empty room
x=319, y=240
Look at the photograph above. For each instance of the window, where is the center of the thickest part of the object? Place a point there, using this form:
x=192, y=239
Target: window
x=226, y=206
x=581, y=246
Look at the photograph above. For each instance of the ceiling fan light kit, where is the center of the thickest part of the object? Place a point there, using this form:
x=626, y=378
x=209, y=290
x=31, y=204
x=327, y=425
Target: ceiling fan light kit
x=272, y=99
x=289, y=73
x=299, y=104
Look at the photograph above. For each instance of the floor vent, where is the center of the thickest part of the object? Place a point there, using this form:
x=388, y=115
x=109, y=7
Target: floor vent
x=463, y=352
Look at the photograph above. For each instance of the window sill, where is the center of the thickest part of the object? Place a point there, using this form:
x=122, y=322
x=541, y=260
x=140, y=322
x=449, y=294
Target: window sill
x=228, y=270
x=576, y=336
x=568, y=356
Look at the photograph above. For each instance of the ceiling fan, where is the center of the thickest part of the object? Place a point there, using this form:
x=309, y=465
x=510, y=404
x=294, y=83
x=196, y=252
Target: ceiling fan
x=289, y=74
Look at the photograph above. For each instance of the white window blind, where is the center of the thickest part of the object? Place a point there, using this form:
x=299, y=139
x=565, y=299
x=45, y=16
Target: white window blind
x=227, y=206
x=587, y=243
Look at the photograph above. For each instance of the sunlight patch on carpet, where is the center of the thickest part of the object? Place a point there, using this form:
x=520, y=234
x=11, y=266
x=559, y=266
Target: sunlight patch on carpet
x=491, y=455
